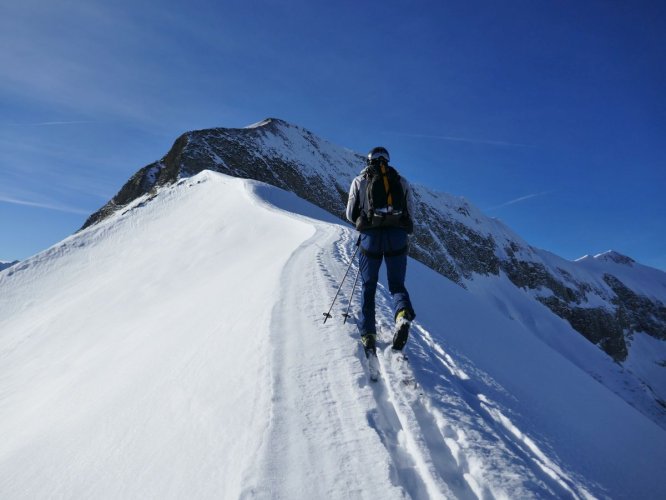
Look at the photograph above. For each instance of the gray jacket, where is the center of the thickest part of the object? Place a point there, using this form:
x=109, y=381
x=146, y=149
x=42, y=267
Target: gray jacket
x=358, y=193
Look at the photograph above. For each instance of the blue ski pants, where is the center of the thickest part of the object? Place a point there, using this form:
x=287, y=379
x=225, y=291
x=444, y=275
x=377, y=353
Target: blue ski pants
x=388, y=244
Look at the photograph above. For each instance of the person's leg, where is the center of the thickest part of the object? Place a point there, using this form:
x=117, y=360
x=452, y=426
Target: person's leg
x=369, y=269
x=369, y=263
x=403, y=313
x=396, y=270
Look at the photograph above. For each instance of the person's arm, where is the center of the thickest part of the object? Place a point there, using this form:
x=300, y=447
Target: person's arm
x=353, y=202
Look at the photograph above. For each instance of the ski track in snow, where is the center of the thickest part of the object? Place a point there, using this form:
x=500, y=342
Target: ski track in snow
x=432, y=457
x=445, y=440
x=306, y=363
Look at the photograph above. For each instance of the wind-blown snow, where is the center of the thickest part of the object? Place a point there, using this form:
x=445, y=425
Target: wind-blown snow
x=259, y=124
x=177, y=350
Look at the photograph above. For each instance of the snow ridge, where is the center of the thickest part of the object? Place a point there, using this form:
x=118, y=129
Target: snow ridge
x=177, y=349
x=613, y=303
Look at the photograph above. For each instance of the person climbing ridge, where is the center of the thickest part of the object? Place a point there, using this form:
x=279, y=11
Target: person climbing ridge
x=380, y=205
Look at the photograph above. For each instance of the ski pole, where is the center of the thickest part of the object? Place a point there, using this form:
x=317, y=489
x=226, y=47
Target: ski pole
x=328, y=314
x=351, y=297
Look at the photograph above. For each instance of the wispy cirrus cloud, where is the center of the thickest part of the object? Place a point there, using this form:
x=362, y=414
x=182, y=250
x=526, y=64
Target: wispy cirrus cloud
x=519, y=200
x=48, y=124
x=69, y=57
x=45, y=205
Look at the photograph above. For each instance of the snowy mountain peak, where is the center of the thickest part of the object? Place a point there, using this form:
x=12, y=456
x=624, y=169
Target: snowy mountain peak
x=613, y=303
x=260, y=124
x=608, y=256
x=275, y=122
x=616, y=257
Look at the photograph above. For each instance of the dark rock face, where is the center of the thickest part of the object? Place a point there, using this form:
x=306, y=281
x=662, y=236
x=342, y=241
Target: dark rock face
x=446, y=245
x=636, y=313
x=236, y=152
x=449, y=247
x=533, y=275
x=444, y=238
x=597, y=325
x=608, y=328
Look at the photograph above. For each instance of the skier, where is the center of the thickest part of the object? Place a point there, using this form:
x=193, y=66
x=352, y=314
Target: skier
x=380, y=204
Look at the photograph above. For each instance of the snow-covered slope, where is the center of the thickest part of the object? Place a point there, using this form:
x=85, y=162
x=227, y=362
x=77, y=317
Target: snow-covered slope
x=176, y=349
x=610, y=300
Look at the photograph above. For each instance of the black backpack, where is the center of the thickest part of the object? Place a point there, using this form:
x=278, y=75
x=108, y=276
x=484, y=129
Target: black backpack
x=384, y=190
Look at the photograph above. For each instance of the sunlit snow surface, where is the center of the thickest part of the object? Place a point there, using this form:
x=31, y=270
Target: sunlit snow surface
x=177, y=350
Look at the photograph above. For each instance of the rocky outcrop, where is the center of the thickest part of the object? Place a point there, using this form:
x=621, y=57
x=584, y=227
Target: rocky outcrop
x=274, y=153
x=637, y=313
x=596, y=324
x=236, y=152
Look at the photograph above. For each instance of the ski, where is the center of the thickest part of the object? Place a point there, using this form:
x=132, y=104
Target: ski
x=399, y=365
x=373, y=363
x=396, y=360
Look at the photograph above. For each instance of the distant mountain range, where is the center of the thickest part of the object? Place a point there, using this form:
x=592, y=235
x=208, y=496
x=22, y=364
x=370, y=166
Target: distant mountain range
x=4, y=265
x=610, y=299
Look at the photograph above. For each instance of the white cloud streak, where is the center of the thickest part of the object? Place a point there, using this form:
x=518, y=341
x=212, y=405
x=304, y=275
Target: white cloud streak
x=519, y=200
x=48, y=124
x=46, y=206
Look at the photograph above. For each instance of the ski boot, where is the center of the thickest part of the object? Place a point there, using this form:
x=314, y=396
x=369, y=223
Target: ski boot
x=403, y=320
x=369, y=341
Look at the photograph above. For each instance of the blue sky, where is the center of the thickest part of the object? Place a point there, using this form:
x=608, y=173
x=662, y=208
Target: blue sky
x=550, y=115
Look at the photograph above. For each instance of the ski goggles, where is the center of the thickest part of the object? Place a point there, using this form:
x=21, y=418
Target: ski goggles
x=378, y=154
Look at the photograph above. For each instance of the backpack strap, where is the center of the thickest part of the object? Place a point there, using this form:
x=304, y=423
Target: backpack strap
x=384, y=171
x=389, y=197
